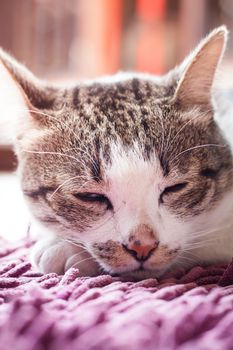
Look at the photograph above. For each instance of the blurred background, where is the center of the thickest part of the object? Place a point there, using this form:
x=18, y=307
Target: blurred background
x=74, y=39
x=66, y=40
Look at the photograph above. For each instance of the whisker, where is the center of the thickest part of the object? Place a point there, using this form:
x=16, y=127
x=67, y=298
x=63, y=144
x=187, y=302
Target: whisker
x=199, y=235
x=168, y=140
x=211, y=230
x=189, y=255
x=200, y=115
x=79, y=253
x=79, y=161
x=163, y=132
x=66, y=126
x=207, y=240
x=196, y=147
x=60, y=154
x=72, y=131
x=74, y=243
x=81, y=261
x=66, y=181
x=187, y=259
x=197, y=239
x=194, y=246
x=53, y=153
x=109, y=218
x=202, y=235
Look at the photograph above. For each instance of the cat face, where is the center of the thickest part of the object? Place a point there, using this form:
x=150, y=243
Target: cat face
x=111, y=186
x=134, y=168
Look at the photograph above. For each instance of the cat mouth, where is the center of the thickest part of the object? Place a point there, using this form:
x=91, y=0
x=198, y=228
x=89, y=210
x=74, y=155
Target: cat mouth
x=141, y=268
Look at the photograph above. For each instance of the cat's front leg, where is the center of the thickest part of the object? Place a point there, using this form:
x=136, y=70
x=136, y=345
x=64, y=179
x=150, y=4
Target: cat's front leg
x=55, y=255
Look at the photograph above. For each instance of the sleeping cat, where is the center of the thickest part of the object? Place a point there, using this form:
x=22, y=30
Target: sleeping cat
x=128, y=175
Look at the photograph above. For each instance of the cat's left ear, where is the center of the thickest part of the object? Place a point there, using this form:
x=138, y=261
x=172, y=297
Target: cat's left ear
x=195, y=85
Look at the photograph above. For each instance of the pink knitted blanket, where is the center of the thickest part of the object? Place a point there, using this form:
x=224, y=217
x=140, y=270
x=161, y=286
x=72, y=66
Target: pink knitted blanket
x=191, y=310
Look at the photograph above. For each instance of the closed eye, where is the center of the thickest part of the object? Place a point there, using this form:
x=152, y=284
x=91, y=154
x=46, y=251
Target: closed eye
x=172, y=189
x=208, y=172
x=94, y=198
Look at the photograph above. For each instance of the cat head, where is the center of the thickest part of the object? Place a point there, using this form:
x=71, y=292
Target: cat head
x=134, y=167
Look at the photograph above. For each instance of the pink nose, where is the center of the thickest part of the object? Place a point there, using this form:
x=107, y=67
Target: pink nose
x=141, y=251
x=142, y=242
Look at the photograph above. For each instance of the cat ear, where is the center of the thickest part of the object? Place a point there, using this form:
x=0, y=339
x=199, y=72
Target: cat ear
x=21, y=82
x=195, y=85
x=22, y=96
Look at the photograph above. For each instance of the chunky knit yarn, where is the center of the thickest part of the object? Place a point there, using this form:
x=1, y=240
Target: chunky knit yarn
x=192, y=310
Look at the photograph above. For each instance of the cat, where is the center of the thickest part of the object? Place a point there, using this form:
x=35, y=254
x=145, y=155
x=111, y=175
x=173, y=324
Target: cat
x=129, y=175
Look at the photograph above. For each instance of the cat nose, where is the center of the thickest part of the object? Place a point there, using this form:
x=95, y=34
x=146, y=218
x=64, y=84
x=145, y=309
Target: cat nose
x=142, y=242
x=140, y=252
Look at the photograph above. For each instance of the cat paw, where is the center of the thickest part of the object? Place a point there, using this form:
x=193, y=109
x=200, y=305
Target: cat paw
x=55, y=255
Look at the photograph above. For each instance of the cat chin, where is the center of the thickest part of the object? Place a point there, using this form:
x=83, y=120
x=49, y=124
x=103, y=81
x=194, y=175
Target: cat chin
x=139, y=274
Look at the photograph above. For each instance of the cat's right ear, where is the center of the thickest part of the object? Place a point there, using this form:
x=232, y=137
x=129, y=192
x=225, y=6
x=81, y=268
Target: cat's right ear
x=22, y=95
